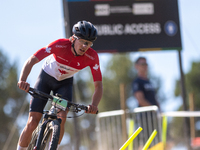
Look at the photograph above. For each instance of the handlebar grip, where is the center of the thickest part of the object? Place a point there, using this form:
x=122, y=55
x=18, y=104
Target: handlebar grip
x=86, y=108
x=31, y=89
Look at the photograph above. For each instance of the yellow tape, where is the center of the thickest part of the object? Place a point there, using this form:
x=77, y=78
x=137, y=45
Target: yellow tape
x=131, y=138
x=150, y=140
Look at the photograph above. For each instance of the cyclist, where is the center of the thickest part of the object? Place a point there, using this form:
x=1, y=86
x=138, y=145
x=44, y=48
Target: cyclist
x=66, y=57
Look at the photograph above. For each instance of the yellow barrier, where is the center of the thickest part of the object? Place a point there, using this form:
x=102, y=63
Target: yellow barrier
x=164, y=130
x=149, y=140
x=131, y=138
x=131, y=128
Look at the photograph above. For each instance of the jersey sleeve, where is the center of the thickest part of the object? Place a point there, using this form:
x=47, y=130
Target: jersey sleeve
x=47, y=50
x=95, y=69
x=136, y=86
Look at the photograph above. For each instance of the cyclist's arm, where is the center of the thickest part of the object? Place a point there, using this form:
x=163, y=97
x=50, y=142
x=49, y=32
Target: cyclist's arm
x=98, y=92
x=139, y=95
x=30, y=62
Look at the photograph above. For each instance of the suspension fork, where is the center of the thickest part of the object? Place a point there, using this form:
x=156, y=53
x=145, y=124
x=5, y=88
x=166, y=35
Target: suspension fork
x=41, y=133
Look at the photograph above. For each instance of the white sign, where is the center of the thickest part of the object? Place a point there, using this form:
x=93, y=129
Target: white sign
x=143, y=9
x=102, y=9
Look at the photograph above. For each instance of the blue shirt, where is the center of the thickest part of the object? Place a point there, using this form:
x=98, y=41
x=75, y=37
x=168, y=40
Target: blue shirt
x=146, y=87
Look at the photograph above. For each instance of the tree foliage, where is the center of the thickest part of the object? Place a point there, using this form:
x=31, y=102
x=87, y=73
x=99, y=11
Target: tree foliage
x=11, y=99
x=192, y=84
x=119, y=70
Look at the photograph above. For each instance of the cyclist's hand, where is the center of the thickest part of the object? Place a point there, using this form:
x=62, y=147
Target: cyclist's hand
x=92, y=109
x=23, y=85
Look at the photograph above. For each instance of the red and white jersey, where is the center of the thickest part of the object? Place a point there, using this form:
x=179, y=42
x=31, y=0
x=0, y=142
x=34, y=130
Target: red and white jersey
x=62, y=64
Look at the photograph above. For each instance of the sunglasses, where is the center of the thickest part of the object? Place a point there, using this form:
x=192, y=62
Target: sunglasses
x=84, y=42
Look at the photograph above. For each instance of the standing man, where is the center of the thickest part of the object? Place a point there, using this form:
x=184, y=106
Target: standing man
x=143, y=89
x=66, y=57
x=144, y=92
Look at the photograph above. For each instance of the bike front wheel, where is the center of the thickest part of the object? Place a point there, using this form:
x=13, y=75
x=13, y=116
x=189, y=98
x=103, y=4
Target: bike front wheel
x=51, y=136
x=33, y=139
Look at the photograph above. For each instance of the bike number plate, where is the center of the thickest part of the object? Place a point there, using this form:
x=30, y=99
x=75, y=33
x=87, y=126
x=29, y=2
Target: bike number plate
x=60, y=103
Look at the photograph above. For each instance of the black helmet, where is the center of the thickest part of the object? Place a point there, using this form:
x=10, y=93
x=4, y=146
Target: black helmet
x=85, y=30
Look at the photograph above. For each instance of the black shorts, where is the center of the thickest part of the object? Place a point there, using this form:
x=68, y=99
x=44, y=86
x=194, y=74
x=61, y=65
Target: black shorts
x=47, y=83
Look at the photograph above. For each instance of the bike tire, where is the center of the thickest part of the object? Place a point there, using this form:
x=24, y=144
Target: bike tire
x=52, y=134
x=33, y=139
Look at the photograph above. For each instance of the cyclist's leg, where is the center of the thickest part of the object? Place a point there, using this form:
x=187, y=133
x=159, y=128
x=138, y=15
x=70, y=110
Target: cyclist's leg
x=33, y=120
x=62, y=115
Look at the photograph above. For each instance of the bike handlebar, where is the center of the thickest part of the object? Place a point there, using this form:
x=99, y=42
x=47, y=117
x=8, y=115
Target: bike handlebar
x=57, y=101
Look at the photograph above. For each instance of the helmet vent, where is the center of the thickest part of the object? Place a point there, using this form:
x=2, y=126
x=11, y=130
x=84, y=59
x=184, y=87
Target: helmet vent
x=77, y=29
x=89, y=34
x=83, y=29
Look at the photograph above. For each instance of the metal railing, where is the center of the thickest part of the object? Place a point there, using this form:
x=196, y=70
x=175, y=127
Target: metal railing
x=109, y=127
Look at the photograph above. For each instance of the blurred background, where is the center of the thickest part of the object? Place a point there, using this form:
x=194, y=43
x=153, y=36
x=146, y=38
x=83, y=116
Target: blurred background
x=26, y=26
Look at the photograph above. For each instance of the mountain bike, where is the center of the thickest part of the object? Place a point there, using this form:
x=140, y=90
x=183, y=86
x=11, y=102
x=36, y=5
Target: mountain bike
x=46, y=135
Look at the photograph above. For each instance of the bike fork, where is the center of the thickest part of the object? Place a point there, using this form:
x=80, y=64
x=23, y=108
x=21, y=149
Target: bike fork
x=39, y=140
